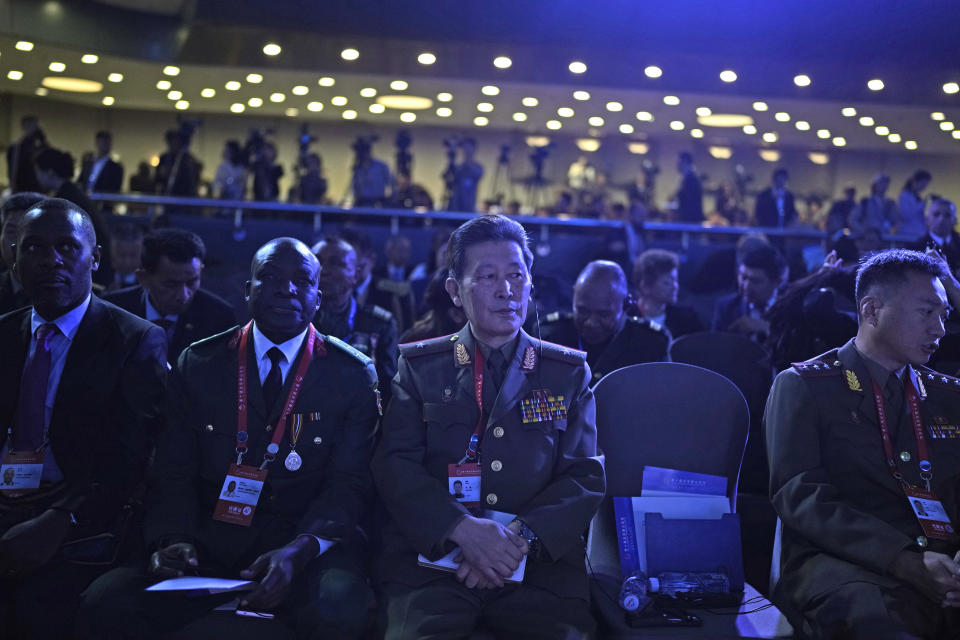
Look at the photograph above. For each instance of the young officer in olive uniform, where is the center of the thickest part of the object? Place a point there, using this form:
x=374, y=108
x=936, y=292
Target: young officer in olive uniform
x=513, y=420
x=306, y=423
x=857, y=438
x=600, y=326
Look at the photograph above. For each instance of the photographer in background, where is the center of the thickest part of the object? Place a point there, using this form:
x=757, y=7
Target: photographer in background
x=230, y=182
x=312, y=188
x=371, y=177
x=465, y=180
x=262, y=158
x=20, y=156
x=178, y=172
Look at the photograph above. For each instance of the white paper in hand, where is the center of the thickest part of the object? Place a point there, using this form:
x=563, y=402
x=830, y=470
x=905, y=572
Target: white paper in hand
x=207, y=585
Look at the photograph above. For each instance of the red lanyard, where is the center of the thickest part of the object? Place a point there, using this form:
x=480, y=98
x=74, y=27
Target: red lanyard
x=473, y=447
x=926, y=469
x=274, y=447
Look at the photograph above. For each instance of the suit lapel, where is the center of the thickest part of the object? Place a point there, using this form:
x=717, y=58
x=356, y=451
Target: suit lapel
x=516, y=383
x=83, y=358
x=256, y=409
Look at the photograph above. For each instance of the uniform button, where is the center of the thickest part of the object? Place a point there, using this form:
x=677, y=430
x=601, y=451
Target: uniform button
x=209, y=427
x=317, y=440
x=492, y=498
x=498, y=432
x=922, y=542
x=496, y=465
x=905, y=456
x=269, y=428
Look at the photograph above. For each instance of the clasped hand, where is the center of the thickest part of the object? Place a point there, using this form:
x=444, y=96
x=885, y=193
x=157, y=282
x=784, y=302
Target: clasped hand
x=935, y=575
x=489, y=552
x=27, y=546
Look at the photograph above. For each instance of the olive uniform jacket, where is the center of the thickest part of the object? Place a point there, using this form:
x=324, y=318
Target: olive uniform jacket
x=325, y=497
x=544, y=472
x=845, y=518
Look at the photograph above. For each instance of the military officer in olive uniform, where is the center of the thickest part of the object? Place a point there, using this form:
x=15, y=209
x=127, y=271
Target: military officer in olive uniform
x=600, y=326
x=859, y=560
x=369, y=329
x=518, y=415
x=308, y=419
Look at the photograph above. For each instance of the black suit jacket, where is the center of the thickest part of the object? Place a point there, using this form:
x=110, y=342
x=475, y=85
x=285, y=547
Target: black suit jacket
x=110, y=179
x=682, y=320
x=726, y=310
x=325, y=497
x=107, y=409
x=10, y=299
x=951, y=250
x=765, y=213
x=207, y=315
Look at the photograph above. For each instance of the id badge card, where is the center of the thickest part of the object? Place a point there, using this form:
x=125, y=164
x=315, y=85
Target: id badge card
x=930, y=514
x=20, y=472
x=239, y=495
x=463, y=483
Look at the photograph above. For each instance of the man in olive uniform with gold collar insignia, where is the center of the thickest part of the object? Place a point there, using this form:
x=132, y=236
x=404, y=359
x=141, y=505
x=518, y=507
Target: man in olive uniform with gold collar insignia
x=513, y=420
x=857, y=439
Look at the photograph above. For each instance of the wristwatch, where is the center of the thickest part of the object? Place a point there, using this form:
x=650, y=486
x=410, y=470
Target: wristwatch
x=520, y=527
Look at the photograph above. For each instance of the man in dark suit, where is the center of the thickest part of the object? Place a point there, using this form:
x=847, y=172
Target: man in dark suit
x=527, y=444
x=308, y=420
x=20, y=156
x=100, y=173
x=390, y=288
x=690, y=194
x=941, y=219
x=169, y=294
x=81, y=383
x=761, y=273
x=12, y=295
x=854, y=436
x=775, y=206
x=600, y=326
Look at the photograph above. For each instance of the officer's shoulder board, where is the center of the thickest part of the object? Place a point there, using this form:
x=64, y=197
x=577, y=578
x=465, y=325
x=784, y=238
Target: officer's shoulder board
x=562, y=353
x=380, y=313
x=432, y=345
x=826, y=365
x=337, y=343
x=936, y=379
x=646, y=322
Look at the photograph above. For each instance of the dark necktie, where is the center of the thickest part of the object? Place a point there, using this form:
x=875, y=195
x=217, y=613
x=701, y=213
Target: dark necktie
x=491, y=386
x=28, y=430
x=273, y=383
x=895, y=399
x=165, y=323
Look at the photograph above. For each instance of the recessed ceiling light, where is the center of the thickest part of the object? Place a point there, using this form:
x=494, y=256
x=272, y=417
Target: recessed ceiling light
x=350, y=114
x=502, y=62
x=24, y=45
x=232, y=85
x=839, y=141
x=770, y=155
x=41, y=91
x=721, y=153
x=653, y=71
x=937, y=115
x=951, y=87
x=750, y=130
x=272, y=49
x=677, y=125
x=75, y=85
x=848, y=112
x=588, y=145
x=291, y=112
x=565, y=112
x=399, y=85
x=163, y=85
x=626, y=128
x=882, y=130
x=818, y=157
x=728, y=75
x=639, y=148
x=703, y=111
x=823, y=134
x=254, y=78
x=444, y=97
x=725, y=120
x=255, y=102
x=485, y=107
x=300, y=90
x=577, y=67
x=613, y=106
x=946, y=126
x=107, y=100
x=349, y=54
x=57, y=67
x=519, y=116
x=802, y=125
x=490, y=90
x=894, y=137
x=376, y=108
x=866, y=121
x=174, y=95
x=426, y=58
x=553, y=124
x=781, y=116
x=595, y=121
x=644, y=116
x=278, y=97
x=338, y=101
x=444, y=112
x=171, y=70
x=314, y=106
x=671, y=100
x=182, y=105
x=89, y=58
x=237, y=107
x=696, y=133
x=875, y=85
x=115, y=77
x=910, y=144
x=769, y=136
x=581, y=95
x=760, y=106
x=529, y=102
x=956, y=134
x=326, y=81
x=481, y=121
x=801, y=80
x=405, y=102
x=208, y=93
x=368, y=92
x=537, y=141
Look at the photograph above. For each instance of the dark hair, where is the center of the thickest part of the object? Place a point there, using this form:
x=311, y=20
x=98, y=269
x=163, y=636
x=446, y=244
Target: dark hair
x=103, y=134
x=781, y=172
x=22, y=201
x=234, y=152
x=60, y=162
x=765, y=258
x=651, y=264
x=360, y=241
x=890, y=267
x=919, y=175
x=485, y=228
x=178, y=245
x=686, y=156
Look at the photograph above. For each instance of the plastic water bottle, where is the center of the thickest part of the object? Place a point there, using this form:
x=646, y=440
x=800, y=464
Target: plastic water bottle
x=672, y=584
x=633, y=592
